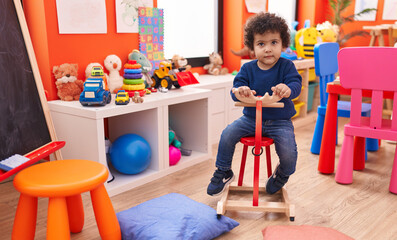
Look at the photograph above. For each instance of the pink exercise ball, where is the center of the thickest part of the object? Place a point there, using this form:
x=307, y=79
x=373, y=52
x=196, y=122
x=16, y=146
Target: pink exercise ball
x=175, y=155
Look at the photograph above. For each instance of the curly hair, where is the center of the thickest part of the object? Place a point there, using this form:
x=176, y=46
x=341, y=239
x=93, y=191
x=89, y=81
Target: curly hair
x=265, y=22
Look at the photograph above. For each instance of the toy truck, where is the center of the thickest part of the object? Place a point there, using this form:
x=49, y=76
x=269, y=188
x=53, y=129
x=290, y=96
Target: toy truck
x=94, y=93
x=166, y=77
x=162, y=77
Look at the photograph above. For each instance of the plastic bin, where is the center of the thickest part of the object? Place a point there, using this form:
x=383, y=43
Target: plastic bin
x=312, y=74
x=298, y=106
x=310, y=95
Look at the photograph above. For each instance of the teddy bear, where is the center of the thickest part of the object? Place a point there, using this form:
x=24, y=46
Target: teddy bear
x=215, y=65
x=180, y=63
x=68, y=86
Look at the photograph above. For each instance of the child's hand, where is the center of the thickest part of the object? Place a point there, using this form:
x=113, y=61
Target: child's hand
x=244, y=91
x=282, y=90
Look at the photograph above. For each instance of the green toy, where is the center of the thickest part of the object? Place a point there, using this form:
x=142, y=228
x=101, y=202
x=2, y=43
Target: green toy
x=173, y=140
x=146, y=66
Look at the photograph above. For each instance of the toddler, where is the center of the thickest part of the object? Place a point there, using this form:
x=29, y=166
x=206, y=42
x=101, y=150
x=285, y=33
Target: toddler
x=267, y=35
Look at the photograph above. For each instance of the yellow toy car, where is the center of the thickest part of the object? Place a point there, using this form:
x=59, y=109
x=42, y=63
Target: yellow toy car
x=122, y=98
x=96, y=72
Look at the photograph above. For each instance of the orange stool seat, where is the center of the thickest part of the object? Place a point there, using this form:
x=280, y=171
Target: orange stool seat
x=62, y=182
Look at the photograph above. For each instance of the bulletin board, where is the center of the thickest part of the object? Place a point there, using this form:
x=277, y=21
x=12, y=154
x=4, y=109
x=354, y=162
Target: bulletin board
x=151, y=34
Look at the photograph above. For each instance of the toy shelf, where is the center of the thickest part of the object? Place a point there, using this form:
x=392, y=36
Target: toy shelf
x=222, y=109
x=184, y=109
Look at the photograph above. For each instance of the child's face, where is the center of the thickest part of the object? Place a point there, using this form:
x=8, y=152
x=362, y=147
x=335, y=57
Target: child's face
x=267, y=48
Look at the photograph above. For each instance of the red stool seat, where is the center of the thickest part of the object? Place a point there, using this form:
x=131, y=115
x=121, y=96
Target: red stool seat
x=250, y=141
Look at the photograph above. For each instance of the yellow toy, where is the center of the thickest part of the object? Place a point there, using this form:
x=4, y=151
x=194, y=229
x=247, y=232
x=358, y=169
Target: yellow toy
x=328, y=32
x=305, y=40
x=327, y=35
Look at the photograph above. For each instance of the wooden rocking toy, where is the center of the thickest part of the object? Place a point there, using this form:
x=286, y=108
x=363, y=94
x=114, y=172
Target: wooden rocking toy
x=257, y=142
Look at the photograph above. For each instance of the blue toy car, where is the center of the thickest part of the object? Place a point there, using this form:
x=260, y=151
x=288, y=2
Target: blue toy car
x=94, y=94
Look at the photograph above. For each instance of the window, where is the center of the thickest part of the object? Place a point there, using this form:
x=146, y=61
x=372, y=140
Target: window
x=191, y=29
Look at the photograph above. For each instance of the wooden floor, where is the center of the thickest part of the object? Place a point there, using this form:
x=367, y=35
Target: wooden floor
x=362, y=210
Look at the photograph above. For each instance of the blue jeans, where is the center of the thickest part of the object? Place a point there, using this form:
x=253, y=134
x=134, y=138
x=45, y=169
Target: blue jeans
x=281, y=131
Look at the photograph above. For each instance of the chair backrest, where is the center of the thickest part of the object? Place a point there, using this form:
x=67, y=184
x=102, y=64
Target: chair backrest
x=326, y=65
x=369, y=68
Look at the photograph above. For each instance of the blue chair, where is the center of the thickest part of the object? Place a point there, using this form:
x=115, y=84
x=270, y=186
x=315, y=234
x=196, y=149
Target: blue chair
x=326, y=65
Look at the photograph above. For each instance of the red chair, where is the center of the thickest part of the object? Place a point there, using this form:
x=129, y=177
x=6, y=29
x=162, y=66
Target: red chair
x=373, y=69
x=257, y=142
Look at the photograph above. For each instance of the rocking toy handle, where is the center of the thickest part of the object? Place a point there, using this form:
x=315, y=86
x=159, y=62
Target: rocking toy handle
x=251, y=101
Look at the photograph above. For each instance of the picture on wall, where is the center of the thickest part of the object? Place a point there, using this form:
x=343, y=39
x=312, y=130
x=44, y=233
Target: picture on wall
x=81, y=17
x=127, y=14
x=363, y=4
x=151, y=34
x=255, y=6
x=390, y=10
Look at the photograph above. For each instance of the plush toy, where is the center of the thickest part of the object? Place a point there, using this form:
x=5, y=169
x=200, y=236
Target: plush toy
x=113, y=65
x=245, y=52
x=215, y=65
x=180, y=63
x=146, y=66
x=328, y=32
x=69, y=87
x=305, y=40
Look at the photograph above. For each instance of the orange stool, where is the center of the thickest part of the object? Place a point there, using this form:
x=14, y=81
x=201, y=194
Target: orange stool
x=63, y=181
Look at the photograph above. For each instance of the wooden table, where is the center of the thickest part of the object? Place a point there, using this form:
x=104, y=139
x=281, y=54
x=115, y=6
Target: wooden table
x=377, y=31
x=326, y=162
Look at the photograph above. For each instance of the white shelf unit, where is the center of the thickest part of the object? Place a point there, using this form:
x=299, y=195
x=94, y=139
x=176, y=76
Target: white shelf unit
x=222, y=109
x=186, y=110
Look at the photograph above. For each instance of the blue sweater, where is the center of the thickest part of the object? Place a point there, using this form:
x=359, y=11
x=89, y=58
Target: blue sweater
x=262, y=81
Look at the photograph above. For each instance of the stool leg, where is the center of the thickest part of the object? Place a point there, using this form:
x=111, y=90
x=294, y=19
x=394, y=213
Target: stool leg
x=372, y=144
x=256, y=181
x=25, y=218
x=57, y=220
x=75, y=213
x=359, y=153
x=344, y=171
x=393, y=178
x=105, y=216
x=268, y=161
x=318, y=134
x=242, y=166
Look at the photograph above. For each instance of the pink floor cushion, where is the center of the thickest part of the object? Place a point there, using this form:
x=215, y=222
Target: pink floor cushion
x=302, y=232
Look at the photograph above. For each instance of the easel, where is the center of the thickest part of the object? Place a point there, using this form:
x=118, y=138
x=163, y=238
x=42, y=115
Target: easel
x=52, y=146
x=255, y=205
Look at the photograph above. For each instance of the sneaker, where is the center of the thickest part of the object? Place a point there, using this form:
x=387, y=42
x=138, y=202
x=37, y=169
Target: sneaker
x=219, y=181
x=276, y=181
